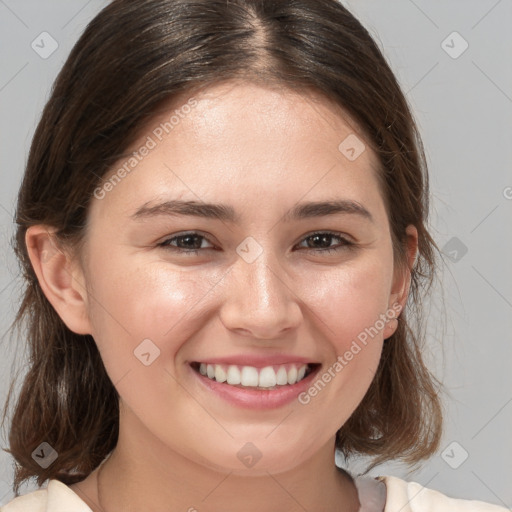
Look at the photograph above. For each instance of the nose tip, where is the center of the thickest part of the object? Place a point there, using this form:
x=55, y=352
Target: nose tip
x=259, y=302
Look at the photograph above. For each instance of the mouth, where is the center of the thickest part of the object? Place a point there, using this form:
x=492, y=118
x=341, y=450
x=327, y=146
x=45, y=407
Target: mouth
x=265, y=378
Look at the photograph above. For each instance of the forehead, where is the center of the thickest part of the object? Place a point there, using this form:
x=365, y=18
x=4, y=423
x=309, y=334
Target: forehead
x=240, y=107
x=242, y=140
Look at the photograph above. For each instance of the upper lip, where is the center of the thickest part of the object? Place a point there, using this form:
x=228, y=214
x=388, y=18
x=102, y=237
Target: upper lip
x=257, y=361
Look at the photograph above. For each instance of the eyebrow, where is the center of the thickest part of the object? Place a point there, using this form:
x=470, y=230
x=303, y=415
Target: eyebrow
x=227, y=213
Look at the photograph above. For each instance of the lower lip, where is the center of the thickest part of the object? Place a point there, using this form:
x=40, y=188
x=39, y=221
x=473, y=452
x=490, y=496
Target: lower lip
x=257, y=399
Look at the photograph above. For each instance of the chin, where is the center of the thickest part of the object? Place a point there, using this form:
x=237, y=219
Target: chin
x=258, y=458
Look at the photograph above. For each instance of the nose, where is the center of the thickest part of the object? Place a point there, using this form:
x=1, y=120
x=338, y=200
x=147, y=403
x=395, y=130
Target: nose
x=260, y=301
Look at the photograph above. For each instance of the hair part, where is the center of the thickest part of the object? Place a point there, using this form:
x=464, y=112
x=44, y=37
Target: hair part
x=113, y=82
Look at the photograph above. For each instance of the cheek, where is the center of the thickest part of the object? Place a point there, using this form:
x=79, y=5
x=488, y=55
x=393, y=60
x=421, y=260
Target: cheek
x=348, y=301
x=347, y=304
x=132, y=304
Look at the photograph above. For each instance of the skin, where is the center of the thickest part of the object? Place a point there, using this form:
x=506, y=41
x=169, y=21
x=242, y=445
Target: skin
x=261, y=151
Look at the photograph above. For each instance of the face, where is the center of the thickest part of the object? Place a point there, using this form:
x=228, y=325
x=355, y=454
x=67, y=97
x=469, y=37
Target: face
x=262, y=289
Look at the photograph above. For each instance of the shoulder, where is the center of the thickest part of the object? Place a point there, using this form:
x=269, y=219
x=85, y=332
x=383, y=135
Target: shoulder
x=57, y=497
x=33, y=502
x=413, y=497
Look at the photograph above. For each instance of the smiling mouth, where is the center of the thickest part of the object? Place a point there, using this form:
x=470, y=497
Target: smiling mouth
x=249, y=377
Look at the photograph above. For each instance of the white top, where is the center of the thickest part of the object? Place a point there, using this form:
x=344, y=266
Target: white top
x=392, y=493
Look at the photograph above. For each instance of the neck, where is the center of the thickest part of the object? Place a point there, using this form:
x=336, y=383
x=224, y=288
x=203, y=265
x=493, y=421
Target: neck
x=150, y=476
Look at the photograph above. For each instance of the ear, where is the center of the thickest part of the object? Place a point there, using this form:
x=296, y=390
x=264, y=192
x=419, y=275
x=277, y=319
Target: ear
x=402, y=276
x=60, y=278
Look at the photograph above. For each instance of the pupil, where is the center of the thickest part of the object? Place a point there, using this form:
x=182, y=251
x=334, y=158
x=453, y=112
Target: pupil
x=323, y=238
x=189, y=238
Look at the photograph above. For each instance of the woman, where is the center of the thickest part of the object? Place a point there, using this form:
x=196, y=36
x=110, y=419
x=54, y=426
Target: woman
x=222, y=219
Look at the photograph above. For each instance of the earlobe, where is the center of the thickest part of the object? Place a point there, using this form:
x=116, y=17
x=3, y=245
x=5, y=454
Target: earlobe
x=61, y=280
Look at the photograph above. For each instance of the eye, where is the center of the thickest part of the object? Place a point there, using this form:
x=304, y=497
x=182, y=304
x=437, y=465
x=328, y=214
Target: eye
x=192, y=243
x=321, y=242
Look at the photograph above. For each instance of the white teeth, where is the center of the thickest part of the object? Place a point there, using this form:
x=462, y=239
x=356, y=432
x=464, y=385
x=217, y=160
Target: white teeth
x=233, y=375
x=220, y=374
x=250, y=376
x=292, y=375
x=282, y=376
x=267, y=377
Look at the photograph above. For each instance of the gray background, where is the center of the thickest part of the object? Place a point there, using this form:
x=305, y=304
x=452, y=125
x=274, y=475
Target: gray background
x=463, y=104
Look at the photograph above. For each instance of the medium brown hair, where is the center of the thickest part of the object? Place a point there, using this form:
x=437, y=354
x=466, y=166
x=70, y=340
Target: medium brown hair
x=136, y=55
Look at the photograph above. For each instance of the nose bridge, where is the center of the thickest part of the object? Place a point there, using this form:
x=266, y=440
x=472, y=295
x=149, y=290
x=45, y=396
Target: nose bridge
x=259, y=299
x=263, y=279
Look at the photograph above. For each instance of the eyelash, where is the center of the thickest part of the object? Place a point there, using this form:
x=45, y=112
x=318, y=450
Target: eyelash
x=346, y=244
